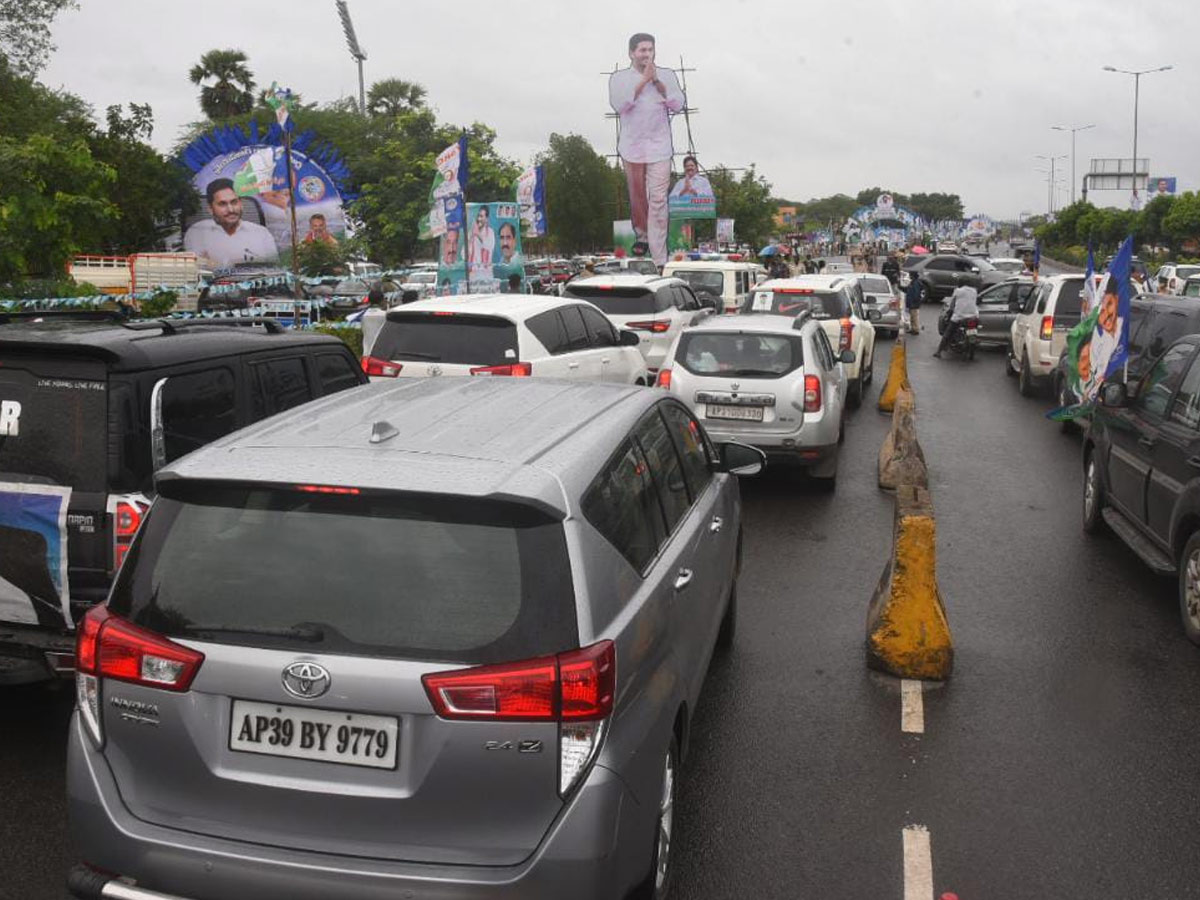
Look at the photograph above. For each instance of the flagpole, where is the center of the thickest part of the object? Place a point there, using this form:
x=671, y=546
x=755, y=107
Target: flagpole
x=291, y=179
x=463, y=201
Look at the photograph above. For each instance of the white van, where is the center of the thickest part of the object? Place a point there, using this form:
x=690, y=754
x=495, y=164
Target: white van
x=730, y=281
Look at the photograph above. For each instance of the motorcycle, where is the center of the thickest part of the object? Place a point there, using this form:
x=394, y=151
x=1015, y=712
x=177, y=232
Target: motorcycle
x=965, y=336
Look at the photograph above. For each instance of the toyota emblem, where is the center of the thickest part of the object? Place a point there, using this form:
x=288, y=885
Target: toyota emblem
x=306, y=680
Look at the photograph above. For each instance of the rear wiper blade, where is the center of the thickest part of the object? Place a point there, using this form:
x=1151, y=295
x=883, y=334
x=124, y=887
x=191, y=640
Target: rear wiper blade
x=413, y=354
x=753, y=373
x=301, y=632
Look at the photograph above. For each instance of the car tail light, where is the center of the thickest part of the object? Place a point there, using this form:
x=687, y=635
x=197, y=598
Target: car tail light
x=108, y=646
x=127, y=511
x=664, y=379
x=657, y=327
x=894, y=303
x=812, y=394
x=847, y=335
x=380, y=368
x=971, y=323
x=574, y=689
x=516, y=370
x=1047, y=327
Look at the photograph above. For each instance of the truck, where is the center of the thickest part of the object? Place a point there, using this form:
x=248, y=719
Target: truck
x=141, y=273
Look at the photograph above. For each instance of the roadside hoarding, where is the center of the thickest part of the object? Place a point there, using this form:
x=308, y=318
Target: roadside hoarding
x=480, y=257
x=725, y=231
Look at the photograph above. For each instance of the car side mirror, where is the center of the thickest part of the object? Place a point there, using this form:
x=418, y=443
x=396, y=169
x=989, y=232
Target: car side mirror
x=1114, y=395
x=846, y=356
x=629, y=338
x=741, y=459
x=873, y=315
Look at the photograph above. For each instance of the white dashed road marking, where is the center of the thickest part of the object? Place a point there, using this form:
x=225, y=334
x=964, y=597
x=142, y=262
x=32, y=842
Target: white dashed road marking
x=912, y=708
x=918, y=864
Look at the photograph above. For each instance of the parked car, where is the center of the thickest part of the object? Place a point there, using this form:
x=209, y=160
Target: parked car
x=877, y=295
x=503, y=334
x=998, y=307
x=423, y=281
x=471, y=671
x=943, y=273
x=1171, y=278
x=1141, y=478
x=657, y=308
x=835, y=302
x=352, y=294
x=91, y=407
x=947, y=247
x=728, y=281
x=1039, y=331
x=771, y=381
x=1010, y=265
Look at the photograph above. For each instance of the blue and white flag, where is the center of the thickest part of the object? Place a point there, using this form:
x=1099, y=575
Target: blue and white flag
x=448, y=192
x=531, y=199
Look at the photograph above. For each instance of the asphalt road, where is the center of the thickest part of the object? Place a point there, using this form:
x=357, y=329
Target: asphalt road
x=1059, y=761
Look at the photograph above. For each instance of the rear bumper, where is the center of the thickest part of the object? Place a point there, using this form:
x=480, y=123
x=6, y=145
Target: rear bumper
x=591, y=851
x=29, y=654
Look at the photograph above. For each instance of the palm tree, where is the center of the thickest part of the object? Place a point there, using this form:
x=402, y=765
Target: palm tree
x=392, y=96
x=233, y=90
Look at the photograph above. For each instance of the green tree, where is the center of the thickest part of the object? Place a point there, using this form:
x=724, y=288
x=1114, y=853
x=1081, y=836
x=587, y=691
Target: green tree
x=582, y=196
x=320, y=258
x=25, y=32
x=392, y=96
x=1182, y=223
x=747, y=200
x=870, y=195
x=936, y=207
x=232, y=90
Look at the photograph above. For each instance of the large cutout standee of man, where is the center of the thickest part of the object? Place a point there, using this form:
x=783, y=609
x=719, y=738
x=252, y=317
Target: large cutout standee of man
x=645, y=97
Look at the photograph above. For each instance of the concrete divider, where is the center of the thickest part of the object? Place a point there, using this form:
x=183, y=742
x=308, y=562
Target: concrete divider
x=901, y=460
x=908, y=634
x=897, y=376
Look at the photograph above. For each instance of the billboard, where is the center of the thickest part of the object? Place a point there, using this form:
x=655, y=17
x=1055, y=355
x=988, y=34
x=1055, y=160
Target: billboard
x=725, y=231
x=692, y=196
x=33, y=554
x=480, y=257
x=1160, y=185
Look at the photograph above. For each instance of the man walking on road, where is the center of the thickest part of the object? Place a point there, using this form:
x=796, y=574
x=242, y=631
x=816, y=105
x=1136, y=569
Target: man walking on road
x=912, y=302
x=645, y=97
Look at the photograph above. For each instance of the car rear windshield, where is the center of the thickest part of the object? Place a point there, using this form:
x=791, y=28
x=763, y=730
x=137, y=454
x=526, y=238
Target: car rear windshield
x=876, y=285
x=618, y=301
x=1069, y=305
x=402, y=576
x=823, y=304
x=448, y=337
x=1186, y=271
x=739, y=354
x=712, y=282
x=53, y=422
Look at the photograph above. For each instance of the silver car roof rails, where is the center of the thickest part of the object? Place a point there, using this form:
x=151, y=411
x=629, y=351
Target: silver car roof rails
x=173, y=326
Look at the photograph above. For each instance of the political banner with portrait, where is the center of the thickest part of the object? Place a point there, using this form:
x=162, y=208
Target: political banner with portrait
x=725, y=233
x=448, y=191
x=1161, y=185
x=531, y=198
x=480, y=257
x=692, y=196
x=33, y=554
x=245, y=213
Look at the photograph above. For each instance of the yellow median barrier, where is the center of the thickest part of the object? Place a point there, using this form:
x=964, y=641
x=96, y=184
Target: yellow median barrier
x=897, y=377
x=901, y=460
x=908, y=634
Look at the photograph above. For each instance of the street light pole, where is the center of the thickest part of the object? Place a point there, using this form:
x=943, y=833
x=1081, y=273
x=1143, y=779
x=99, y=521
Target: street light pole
x=357, y=52
x=1073, y=129
x=1050, y=184
x=1137, y=84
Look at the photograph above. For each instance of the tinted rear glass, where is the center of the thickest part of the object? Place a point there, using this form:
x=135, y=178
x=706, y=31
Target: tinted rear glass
x=876, y=285
x=53, y=426
x=740, y=355
x=453, y=338
x=412, y=577
x=713, y=282
x=1069, y=305
x=618, y=301
x=824, y=304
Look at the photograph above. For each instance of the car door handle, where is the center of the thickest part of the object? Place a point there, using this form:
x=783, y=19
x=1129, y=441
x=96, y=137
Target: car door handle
x=1146, y=442
x=716, y=524
x=683, y=579
x=605, y=361
x=1194, y=462
x=573, y=365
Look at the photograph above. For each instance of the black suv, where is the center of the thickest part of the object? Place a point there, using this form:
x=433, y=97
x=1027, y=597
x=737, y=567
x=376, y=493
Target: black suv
x=90, y=408
x=1141, y=462
x=941, y=273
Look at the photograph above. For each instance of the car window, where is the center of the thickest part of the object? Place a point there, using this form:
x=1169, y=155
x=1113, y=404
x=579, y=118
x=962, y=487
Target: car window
x=1042, y=295
x=997, y=295
x=620, y=301
x=1168, y=326
x=665, y=468
x=1069, y=304
x=622, y=504
x=1185, y=409
x=874, y=284
x=822, y=304
x=447, y=337
x=689, y=443
x=336, y=373
x=278, y=384
x=548, y=328
x=1024, y=292
x=1192, y=289
x=824, y=351
x=964, y=265
x=742, y=283
x=599, y=329
x=703, y=280
x=1164, y=376
x=739, y=354
x=198, y=408
x=939, y=265
x=577, y=335
x=643, y=267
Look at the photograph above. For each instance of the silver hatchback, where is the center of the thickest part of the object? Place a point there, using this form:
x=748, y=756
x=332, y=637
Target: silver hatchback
x=441, y=638
x=771, y=381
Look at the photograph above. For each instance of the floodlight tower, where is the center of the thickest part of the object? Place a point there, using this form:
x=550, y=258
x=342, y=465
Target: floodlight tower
x=357, y=52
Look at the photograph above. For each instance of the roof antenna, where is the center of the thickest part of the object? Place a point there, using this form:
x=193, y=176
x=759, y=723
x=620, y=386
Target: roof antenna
x=383, y=431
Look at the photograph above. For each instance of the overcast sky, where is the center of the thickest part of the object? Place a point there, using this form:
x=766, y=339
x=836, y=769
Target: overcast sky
x=934, y=96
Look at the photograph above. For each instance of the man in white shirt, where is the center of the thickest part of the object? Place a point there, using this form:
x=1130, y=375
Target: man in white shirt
x=225, y=240
x=963, y=306
x=645, y=97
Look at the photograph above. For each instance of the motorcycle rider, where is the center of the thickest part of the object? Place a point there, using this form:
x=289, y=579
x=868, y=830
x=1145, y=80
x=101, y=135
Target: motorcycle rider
x=963, y=306
x=891, y=270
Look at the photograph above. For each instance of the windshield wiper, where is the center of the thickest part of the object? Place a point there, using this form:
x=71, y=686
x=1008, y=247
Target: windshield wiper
x=301, y=632
x=413, y=354
x=752, y=373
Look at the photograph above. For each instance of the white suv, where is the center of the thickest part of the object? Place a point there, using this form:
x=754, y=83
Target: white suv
x=1039, y=332
x=503, y=334
x=836, y=302
x=1171, y=278
x=656, y=308
x=771, y=381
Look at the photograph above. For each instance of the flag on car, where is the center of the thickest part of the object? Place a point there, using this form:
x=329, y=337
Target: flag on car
x=1098, y=347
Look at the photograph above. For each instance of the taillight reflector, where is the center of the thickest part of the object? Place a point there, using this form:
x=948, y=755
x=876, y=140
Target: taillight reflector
x=516, y=370
x=380, y=368
x=664, y=379
x=111, y=647
x=1047, y=327
x=128, y=519
x=812, y=394
x=574, y=686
